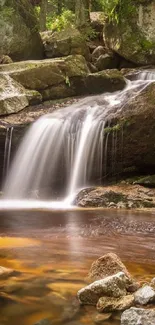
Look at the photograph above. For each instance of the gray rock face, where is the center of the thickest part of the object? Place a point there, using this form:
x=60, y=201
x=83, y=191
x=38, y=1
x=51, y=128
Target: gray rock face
x=112, y=286
x=144, y=295
x=138, y=316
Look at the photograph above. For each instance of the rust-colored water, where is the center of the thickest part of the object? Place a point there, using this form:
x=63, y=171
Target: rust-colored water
x=53, y=252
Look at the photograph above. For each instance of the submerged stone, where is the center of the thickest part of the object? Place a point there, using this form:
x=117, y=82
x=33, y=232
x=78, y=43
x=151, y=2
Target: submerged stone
x=109, y=304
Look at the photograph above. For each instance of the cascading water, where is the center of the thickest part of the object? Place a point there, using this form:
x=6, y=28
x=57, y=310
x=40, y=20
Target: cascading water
x=7, y=151
x=68, y=142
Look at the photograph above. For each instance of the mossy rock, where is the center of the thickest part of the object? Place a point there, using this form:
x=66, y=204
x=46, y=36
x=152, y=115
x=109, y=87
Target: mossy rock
x=67, y=42
x=131, y=33
x=19, y=36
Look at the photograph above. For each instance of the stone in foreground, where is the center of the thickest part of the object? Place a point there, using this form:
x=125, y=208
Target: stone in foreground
x=108, y=304
x=106, y=265
x=112, y=286
x=145, y=295
x=12, y=96
x=138, y=316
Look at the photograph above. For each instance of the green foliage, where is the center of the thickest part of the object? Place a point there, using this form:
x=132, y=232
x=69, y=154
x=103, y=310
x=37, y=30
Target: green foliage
x=117, y=10
x=58, y=23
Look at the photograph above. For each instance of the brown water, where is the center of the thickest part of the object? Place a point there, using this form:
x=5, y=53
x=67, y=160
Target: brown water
x=53, y=252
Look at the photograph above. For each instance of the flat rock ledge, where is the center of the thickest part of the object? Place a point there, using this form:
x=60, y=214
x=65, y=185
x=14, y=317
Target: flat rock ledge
x=138, y=316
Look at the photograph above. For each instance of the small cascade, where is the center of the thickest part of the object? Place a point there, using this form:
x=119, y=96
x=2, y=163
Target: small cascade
x=70, y=142
x=7, y=151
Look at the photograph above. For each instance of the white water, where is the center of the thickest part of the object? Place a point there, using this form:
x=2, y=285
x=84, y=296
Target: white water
x=67, y=142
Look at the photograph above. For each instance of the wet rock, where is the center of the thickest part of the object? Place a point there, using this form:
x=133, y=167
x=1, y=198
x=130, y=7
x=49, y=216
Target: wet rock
x=123, y=195
x=100, y=318
x=144, y=295
x=12, y=96
x=106, y=61
x=92, y=67
x=112, y=286
x=105, y=81
x=106, y=265
x=67, y=42
x=108, y=304
x=138, y=316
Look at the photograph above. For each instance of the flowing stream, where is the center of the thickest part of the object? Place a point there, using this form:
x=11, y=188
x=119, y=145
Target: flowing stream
x=66, y=142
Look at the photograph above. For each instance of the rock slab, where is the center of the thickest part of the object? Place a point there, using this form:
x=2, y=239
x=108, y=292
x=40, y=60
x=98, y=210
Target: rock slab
x=138, y=316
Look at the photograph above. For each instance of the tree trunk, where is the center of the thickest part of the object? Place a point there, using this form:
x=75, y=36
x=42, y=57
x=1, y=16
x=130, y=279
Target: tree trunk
x=82, y=12
x=60, y=5
x=43, y=13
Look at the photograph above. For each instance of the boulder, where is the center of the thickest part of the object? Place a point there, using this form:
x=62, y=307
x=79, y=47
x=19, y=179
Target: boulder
x=132, y=33
x=105, y=81
x=109, y=304
x=138, y=316
x=19, y=36
x=34, y=97
x=12, y=95
x=67, y=42
x=117, y=196
x=107, y=265
x=144, y=295
x=39, y=75
x=112, y=286
x=107, y=61
x=5, y=59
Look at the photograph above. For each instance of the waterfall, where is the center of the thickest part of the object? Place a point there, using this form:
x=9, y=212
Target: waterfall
x=70, y=142
x=7, y=151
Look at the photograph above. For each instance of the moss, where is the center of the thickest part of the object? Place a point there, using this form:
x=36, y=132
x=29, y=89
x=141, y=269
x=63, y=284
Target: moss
x=115, y=197
x=114, y=128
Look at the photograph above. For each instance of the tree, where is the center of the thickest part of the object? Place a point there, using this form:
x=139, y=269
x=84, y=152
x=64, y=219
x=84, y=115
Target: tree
x=43, y=13
x=82, y=12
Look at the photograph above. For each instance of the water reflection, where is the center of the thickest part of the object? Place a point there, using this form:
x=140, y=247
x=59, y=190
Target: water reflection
x=54, y=251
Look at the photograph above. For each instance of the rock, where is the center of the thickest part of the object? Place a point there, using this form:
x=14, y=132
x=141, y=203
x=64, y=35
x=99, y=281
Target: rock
x=109, y=304
x=12, y=96
x=134, y=36
x=107, y=265
x=123, y=195
x=19, y=36
x=153, y=283
x=106, y=61
x=39, y=75
x=144, y=295
x=148, y=181
x=99, y=50
x=67, y=42
x=92, y=67
x=138, y=316
x=6, y=272
x=34, y=97
x=112, y=286
x=100, y=318
x=43, y=322
x=105, y=81
x=5, y=59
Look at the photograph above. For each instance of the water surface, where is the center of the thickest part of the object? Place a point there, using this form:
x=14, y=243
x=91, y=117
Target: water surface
x=53, y=252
